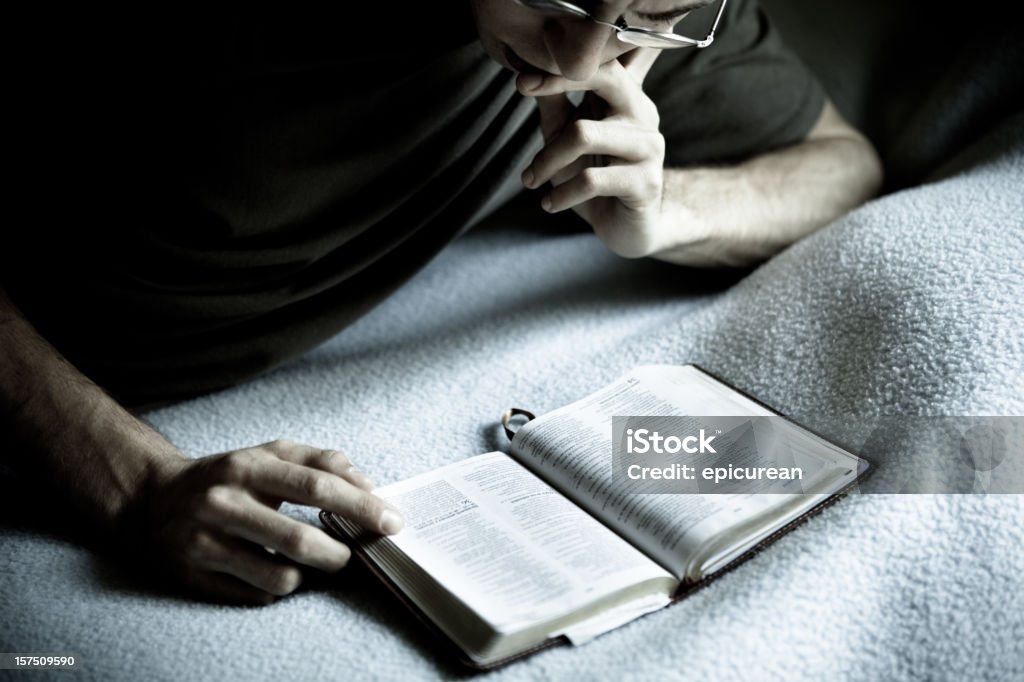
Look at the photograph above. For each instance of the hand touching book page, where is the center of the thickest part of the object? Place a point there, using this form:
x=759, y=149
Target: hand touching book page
x=506, y=554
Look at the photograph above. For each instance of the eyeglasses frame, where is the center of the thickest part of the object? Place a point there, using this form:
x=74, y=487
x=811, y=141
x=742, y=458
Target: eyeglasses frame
x=672, y=40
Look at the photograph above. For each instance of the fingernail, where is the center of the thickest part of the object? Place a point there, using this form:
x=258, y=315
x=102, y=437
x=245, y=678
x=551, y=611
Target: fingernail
x=528, y=177
x=530, y=81
x=545, y=203
x=360, y=479
x=391, y=522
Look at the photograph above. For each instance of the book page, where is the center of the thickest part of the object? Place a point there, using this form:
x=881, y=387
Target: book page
x=509, y=546
x=572, y=449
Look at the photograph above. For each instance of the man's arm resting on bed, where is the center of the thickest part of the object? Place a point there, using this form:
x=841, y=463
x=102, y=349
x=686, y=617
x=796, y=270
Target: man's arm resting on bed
x=610, y=169
x=209, y=518
x=745, y=213
x=96, y=455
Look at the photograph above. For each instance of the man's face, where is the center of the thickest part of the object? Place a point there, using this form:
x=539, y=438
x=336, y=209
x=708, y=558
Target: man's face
x=532, y=41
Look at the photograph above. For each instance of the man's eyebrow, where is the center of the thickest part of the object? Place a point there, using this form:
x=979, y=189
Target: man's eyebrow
x=673, y=13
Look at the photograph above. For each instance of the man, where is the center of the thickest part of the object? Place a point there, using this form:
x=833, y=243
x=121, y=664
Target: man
x=271, y=180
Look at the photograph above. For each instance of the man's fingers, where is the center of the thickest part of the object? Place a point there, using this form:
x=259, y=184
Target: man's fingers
x=245, y=561
x=599, y=138
x=628, y=184
x=638, y=62
x=222, y=518
x=316, y=488
x=611, y=82
x=589, y=183
x=556, y=112
x=625, y=130
x=239, y=515
x=332, y=461
x=296, y=540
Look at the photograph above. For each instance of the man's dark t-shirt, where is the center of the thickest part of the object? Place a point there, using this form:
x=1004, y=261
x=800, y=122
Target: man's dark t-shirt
x=272, y=179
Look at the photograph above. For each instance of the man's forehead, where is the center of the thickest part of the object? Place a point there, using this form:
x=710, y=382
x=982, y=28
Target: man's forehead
x=653, y=6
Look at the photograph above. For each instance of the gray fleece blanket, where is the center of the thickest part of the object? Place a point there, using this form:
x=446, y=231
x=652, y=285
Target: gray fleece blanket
x=910, y=305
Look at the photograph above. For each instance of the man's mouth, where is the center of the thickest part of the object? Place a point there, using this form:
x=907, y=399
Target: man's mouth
x=521, y=65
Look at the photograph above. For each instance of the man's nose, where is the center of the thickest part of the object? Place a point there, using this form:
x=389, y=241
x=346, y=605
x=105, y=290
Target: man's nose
x=577, y=48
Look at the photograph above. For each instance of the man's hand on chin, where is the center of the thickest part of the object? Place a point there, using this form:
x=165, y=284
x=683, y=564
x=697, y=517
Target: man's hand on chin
x=604, y=158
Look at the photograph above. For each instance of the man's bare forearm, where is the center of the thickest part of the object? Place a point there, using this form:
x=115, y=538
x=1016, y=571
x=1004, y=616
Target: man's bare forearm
x=205, y=520
x=745, y=213
x=91, y=450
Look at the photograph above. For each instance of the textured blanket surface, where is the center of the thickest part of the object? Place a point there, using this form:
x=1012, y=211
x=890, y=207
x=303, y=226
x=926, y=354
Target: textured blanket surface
x=910, y=305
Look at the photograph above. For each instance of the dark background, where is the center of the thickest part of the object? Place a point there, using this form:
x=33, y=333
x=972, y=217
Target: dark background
x=921, y=79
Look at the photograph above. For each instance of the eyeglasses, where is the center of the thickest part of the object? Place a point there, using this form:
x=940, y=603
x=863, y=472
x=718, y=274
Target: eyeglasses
x=634, y=35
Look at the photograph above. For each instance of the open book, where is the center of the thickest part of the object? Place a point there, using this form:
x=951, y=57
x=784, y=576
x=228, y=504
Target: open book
x=509, y=553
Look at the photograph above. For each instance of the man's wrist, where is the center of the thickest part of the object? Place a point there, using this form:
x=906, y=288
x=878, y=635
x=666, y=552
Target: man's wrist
x=682, y=230
x=138, y=460
x=132, y=515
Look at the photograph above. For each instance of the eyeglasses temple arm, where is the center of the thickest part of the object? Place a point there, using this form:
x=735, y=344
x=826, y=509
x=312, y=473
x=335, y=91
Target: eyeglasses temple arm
x=711, y=36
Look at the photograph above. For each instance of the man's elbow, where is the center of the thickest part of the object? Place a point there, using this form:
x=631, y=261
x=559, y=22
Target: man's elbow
x=861, y=166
